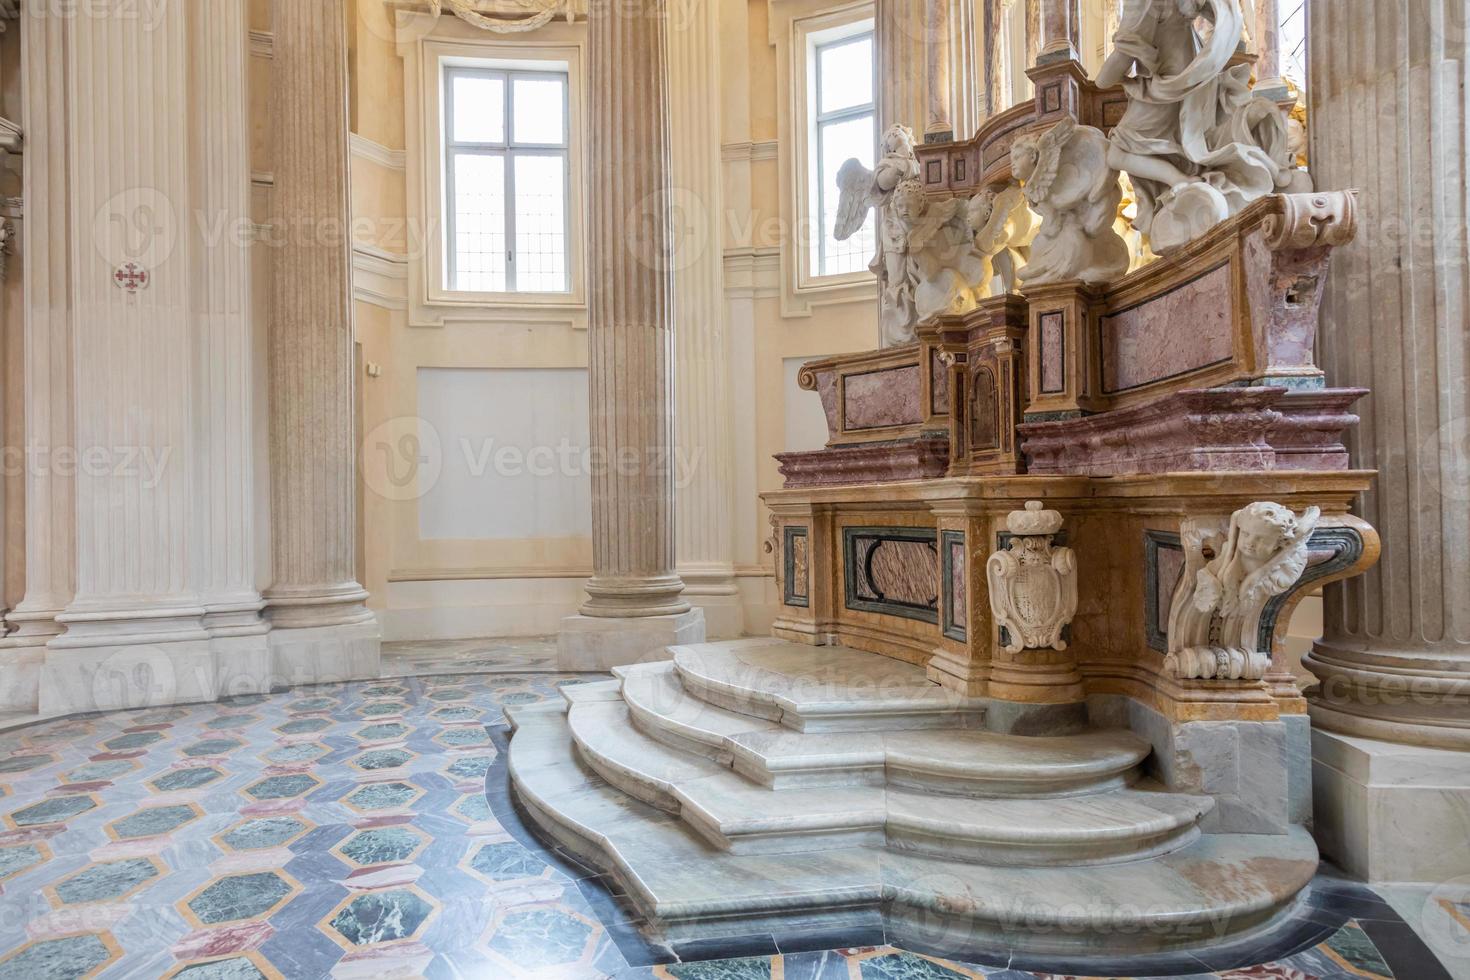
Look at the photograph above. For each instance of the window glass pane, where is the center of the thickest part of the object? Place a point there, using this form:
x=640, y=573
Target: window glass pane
x=479, y=222
x=479, y=109
x=846, y=77
x=1293, y=41
x=541, y=224
x=538, y=110
x=841, y=141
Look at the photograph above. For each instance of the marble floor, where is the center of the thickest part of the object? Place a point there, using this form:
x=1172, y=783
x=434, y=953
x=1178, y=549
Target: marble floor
x=367, y=830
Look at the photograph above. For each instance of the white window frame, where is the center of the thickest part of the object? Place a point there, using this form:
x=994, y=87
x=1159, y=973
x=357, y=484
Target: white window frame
x=507, y=149
x=818, y=193
x=429, y=47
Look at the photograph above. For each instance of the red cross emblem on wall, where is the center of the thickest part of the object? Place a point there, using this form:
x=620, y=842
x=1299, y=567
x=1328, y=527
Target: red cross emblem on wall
x=130, y=278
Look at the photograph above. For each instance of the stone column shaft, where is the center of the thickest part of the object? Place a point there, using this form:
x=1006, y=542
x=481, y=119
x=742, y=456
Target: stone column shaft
x=630, y=322
x=939, y=119
x=313, y=429
x=1395, y=661
x=899, y=37
x=705, y=463
x=1267, y=31
x=1061, y=20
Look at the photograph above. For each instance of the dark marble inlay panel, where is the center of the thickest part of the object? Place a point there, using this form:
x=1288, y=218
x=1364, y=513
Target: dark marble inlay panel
x=955, y=574
x=894, y=571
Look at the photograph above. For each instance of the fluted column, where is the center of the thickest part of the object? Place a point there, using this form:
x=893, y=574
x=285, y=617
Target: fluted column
x=705, y=462
x=47, y=343
x=1395, y=660
x=224, y=551
x=313, y=431
x=630, y=324
x=635, y=607
x=135, y=609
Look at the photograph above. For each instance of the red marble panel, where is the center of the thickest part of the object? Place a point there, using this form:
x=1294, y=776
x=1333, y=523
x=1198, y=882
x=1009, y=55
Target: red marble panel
x=1053, y=353
x=881, y=399
x=1182, y=331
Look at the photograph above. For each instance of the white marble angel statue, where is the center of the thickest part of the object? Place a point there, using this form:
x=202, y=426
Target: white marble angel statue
x=1003, y=227
x=1067, y=180
x=861, y=191
x=1196, y=142
x=1215, y=617
x=947, y=269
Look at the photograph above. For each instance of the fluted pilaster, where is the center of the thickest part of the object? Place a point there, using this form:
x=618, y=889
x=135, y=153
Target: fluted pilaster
x=224, y=547
x=630, y=322
x=312, y=419
x=50, y=513
x=1389, y=117
x=705, y=464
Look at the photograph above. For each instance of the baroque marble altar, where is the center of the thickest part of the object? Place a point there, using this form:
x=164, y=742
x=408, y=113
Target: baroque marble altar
x=1026, y=686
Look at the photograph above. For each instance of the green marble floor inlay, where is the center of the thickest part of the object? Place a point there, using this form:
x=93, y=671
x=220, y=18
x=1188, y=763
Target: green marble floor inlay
x=153, y=822
x=380, y=917
x=55, y=810
x=383, y=845
x=906, y=966
x=237, y=968
x=239, y=897
x=14, y=860
x=281, y=787
x=540, y=937
x=262, y=832
x=382, y=796
x=24, y=763
x=186, y=779
x=507, y=861
x=56, y=959
x=382, y=759
x=105, y=881
x=213, y=746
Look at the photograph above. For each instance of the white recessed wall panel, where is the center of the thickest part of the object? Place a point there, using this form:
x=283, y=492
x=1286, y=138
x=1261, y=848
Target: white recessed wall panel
x=513, y=444
x=806, y=423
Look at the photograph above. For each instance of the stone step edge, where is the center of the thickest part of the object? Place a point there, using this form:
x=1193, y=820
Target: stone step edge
x=608, y=855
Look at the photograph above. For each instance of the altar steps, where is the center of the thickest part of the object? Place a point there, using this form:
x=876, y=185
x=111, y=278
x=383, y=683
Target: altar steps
x=754, y=781
x=951, y=761
x=1217, y=887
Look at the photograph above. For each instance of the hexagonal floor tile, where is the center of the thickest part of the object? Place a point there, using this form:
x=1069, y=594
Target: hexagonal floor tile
x=14, y=860
x=68, y=956
x=303, y=726
x=132, y=740
x=93, y=772
x=106, y=882
x=382, y=845
x=383, y=796
x=384, y=691
x=228, y=722
x=263, y=832
x=456, y=712
x=472, y=768
x=236, y=897
x=449, y=694
x=383, y=731
x=282, y=787
x=507, y=861
x=240, y=967
x=473, y=808
x=213, y=746
x=381, y=917
x=463, y=737
x=58, y=809
x=379, y=759
x=154, y=821
x=382, y=709
x=191, y=778
x=541, y=937
x=287, y=755
x=25, y=763
x=308, y=706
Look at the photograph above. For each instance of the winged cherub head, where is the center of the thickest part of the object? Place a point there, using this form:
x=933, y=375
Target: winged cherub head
x=1263, y=529
x=1025, y=155
x=908, y=201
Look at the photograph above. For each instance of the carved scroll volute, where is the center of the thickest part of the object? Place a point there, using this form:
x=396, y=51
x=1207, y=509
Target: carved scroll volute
x=1231, y=573
x=1033, y=584
x=1311, y=220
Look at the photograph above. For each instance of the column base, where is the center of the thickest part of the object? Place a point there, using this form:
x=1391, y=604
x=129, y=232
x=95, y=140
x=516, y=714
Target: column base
x=20, y=673
x=108, y=677
x=1386, y=811
x=595, y=643
x=326, y=654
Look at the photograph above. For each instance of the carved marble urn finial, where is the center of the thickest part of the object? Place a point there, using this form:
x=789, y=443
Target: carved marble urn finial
x=1033, y=585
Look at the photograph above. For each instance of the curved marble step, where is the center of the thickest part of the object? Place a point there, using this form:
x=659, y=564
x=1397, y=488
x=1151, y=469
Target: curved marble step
x=1221, y=887
x=727, y=810
x=950, y=761
x=1124, y=825
x=737, y=815
x=820, y=689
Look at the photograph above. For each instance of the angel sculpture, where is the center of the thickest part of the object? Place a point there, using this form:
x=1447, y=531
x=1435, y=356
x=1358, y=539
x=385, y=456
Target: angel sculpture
x=1215, y=618
x=946, y=269
x=1003, y=227
x=1197, y=143
x=1069, y=183
x=861, y=191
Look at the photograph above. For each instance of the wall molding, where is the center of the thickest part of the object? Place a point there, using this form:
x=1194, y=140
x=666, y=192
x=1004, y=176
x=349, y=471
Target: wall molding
x=366, y=149
x=751, y=151
x=753, y=273
x=379, y=277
